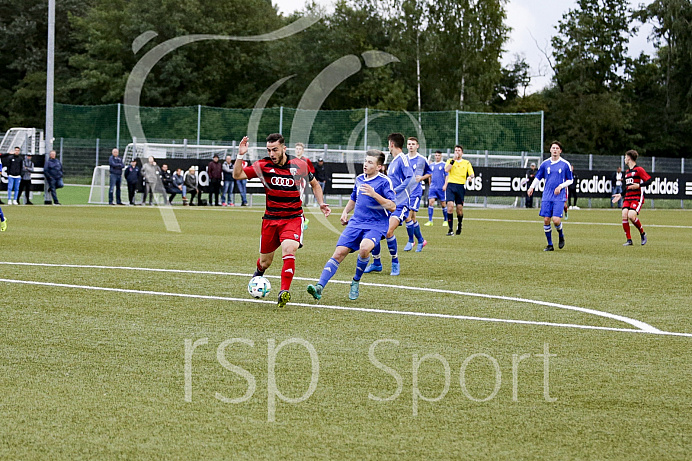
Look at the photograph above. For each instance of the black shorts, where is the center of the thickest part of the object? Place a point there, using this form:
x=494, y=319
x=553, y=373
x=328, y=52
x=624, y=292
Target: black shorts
x=456, y=193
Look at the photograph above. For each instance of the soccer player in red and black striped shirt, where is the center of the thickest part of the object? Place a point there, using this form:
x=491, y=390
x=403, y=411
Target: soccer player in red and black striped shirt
x=282, y=223
x=636, y=178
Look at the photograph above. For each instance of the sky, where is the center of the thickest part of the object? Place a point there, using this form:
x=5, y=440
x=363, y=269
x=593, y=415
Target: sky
x=533, y=24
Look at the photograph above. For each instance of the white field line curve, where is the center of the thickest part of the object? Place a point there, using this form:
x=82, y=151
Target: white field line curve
x=344, y=308
x=636, y=323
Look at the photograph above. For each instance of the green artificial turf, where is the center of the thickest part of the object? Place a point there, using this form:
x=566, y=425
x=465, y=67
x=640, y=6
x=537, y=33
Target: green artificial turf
x=87, y=373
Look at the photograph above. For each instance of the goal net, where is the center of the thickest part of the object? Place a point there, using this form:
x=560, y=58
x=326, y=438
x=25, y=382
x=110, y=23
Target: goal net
x=179, y=151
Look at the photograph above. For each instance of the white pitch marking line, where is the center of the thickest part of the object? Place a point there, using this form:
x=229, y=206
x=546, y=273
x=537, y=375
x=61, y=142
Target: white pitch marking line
x=635, y=323
x=343, y=308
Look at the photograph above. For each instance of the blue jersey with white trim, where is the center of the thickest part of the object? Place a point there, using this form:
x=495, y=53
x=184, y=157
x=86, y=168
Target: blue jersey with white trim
x=437, y=180
x=368, y=213
x=420, y=167
x=555, y=173
x=401, y=175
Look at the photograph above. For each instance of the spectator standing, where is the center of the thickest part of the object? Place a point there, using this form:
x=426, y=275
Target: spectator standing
x=572, y=195
x=228, y=182
x=133, y=177
x=530, y=175
x=25, y=185
x=116, y=170
x=321, y=174
x=241, y=185
x=14, y=176
x=152, y=177
x=215, y=171
x=52, y=170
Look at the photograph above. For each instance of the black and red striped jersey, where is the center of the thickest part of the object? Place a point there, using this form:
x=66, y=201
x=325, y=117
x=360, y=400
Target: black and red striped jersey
x=636, y=175
x=281, y=185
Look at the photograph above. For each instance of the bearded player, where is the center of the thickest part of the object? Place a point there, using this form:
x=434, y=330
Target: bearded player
x=282, y=223
x=636, y=178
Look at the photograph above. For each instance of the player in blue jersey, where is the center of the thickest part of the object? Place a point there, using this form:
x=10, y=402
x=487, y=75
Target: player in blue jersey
x=421, y=172
x=401, y=175
x=558, y=175
x=372, y=200
x=436, y=192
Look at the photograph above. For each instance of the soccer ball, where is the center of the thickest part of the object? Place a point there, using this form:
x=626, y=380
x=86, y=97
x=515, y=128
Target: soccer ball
x=259, y=287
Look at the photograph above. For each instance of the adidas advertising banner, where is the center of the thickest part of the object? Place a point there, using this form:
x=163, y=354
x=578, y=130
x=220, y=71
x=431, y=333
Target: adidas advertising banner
x=511, y=182
x=492, y=182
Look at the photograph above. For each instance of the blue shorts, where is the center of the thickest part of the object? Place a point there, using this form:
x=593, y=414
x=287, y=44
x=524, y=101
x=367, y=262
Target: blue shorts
x=415, y=203
x=401, y=212
x=352, y=236
x=438, y=194
x=552, y=208
x=456, y=193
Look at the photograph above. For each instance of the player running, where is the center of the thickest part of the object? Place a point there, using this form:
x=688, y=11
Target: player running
x=401, y=175
x=421, y=172
x=282, y=223
x=459, y=170
x=636, y=178
x=558, y=175
x=437, y=182
x=372, y=199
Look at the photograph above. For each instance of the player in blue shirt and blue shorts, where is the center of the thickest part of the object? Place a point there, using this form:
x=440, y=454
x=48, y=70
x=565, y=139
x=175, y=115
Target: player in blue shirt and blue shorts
x=401, y=175
x=421, y=172
x=436, y=192
x=557, y=173
x=372, y=200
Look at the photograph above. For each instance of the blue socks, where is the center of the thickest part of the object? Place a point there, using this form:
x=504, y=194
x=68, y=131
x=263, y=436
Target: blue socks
x=360, y=267
x=391, y=243
x=431, y=209
x=548, y=234
x=409, y=230
x=444, y=213
x=417, y=233
x=328, y=272
x=559, y=230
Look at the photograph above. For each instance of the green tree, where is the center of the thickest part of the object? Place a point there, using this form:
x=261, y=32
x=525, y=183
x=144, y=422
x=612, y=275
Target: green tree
x=591, y=45
x=466, y=39
x=23, y=47
x=585, y=106
x=515, y=79
x=219, y=73
x=672, y=20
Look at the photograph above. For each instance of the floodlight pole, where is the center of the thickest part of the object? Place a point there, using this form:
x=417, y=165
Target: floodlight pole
x=50, y=76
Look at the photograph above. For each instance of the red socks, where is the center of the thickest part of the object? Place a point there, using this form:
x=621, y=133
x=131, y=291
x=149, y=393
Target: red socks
x=288, y=271
x=626, y=226
x=638, y=225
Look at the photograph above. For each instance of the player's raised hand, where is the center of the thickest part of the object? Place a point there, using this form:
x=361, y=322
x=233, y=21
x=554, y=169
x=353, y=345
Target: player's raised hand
x=616, y=198
x=243, y=146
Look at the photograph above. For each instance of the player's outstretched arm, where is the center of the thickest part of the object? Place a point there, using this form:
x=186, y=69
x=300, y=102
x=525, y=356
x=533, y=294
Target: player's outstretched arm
x=317, y=190
x=238, y=172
